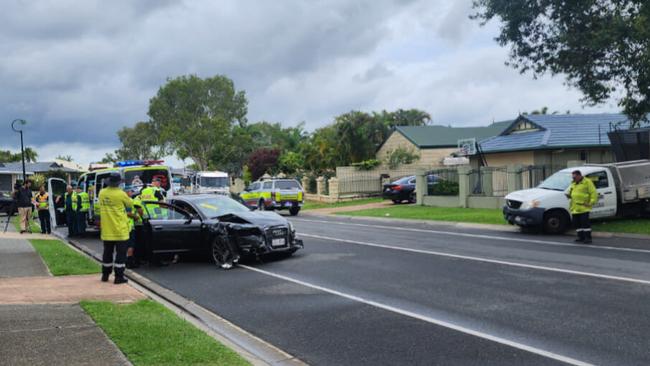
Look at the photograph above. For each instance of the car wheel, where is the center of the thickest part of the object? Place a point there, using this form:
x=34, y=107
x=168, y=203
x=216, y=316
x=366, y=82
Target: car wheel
x=222, y=253
x=260, y=206
x=555, y=222
x=413, y=198
x=293, y=211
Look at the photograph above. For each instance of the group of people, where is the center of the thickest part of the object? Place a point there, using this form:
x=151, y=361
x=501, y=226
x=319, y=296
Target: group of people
x=76, y=207
x=26, y=202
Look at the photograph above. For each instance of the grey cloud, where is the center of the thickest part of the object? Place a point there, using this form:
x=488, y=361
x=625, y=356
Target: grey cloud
x=79, y=71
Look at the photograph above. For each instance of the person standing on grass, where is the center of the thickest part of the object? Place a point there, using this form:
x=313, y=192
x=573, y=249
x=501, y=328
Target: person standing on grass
x=583, y=196
x=115, y=206
x=43, y=206
x=23, y=197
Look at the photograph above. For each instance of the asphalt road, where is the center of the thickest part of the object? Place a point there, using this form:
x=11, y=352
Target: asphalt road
x=365, y=292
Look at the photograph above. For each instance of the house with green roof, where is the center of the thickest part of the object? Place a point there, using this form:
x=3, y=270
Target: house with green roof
x=434, y=143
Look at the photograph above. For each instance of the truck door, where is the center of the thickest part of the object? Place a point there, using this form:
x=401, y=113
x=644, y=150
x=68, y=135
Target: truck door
x=606, y=205
x=56, y=192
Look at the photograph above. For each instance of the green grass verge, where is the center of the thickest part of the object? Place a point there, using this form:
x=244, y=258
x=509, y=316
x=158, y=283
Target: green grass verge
x=150, y=334
x=34, y=228
x=488, y=216
x=630, y=226
x=63, y=260
x=482, y=216
x=310, y=205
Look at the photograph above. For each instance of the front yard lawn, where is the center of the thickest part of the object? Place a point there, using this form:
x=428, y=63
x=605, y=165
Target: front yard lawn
x=488, y=216
x=150, y=334
x=482, y=216
x=310, y=205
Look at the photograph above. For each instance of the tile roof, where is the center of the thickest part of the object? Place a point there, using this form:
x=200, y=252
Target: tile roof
x=556, y=131
x=447, y=136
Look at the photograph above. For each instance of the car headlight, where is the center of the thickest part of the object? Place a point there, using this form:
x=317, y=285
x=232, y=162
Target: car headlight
x=530, y=204
x=291, y=227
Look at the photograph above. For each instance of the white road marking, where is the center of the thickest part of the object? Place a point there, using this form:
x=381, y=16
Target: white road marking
x=427, y=319
x=481, y=236
x=479, y=259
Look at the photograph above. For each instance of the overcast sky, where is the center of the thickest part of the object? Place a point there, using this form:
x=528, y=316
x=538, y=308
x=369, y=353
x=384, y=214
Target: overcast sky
x=80, y=70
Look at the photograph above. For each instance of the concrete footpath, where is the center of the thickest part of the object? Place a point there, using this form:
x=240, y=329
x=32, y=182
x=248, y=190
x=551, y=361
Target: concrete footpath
x=41, y=322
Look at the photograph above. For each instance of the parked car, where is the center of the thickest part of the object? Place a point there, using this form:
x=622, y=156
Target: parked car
x=623, y=190
x=403, y=189
x=217, y=226
x=274, y=194
x=7, y=203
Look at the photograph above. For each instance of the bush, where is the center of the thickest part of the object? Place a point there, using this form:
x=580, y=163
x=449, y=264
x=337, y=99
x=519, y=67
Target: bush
x=400, y=156
x=444, y=188
x=367, y=164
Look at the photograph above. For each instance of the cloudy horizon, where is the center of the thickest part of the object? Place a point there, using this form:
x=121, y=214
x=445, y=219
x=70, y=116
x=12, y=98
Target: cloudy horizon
x=79, y=71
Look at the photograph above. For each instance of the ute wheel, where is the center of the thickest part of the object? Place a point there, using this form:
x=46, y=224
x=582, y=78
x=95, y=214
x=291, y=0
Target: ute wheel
x=293, y=211
x=222, y=253
x=260, y=206
x=555, y=222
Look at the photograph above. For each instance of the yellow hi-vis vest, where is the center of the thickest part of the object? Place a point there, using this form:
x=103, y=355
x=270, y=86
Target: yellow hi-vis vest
x=583, y=196
x=42, y=201
x=85, y=201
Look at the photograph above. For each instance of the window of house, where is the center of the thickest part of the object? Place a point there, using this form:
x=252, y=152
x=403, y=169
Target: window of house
x=583, y=155
x=524, y=126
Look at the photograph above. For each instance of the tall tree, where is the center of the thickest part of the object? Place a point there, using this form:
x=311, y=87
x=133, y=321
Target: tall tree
x=600, y=45
x=6, y=156
x=140, y=142
x=196, y=116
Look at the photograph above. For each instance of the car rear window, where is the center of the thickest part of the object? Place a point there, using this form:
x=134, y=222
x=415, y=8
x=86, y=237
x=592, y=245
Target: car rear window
x=404, y=180
x=287, y=184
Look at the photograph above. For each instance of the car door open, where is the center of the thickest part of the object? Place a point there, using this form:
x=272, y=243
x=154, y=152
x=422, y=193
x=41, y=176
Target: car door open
x=171, y=228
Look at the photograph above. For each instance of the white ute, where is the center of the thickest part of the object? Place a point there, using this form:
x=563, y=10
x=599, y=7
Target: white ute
x=623, y=190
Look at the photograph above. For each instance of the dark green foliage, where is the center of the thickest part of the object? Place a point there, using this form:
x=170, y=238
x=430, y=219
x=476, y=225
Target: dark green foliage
x=367, y=164
x=601, y=46
x=444, y=188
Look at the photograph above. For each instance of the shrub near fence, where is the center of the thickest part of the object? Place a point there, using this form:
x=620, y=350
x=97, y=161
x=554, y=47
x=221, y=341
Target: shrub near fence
x=446, y=182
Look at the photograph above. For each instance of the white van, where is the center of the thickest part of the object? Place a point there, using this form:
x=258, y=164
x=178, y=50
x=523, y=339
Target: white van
x=623, y=190
x=210, y=182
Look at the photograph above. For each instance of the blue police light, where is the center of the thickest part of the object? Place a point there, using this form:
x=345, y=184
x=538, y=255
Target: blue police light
x=125, y=163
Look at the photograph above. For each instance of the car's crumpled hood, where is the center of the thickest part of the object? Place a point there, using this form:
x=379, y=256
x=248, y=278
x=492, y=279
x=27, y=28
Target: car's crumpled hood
x=259, y=218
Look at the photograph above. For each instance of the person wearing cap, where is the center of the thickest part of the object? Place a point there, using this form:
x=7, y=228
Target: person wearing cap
x=114, y=230
x=583, y=196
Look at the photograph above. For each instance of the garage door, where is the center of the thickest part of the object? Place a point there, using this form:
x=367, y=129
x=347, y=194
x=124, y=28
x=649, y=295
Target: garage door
x=5, y=183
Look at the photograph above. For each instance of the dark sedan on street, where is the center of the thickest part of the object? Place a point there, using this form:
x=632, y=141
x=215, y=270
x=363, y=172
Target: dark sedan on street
x=7, y=205
x=217, y=226
x=403, y=189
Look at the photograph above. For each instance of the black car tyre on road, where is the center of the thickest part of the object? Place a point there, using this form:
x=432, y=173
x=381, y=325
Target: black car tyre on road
x=413, y=197
x=555, y=222
x=222, y=253
x=294, y=211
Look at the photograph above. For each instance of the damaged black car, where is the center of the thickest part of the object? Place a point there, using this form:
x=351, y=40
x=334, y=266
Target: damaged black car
x=217, y=226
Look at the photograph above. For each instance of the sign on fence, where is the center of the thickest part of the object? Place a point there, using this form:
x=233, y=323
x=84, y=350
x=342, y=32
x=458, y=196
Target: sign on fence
x=467, y=147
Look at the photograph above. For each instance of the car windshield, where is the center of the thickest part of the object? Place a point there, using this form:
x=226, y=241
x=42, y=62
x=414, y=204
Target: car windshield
x=218, y=206
x=286, y=184
x=215, y=182
x=138, y=178
x=559, y=181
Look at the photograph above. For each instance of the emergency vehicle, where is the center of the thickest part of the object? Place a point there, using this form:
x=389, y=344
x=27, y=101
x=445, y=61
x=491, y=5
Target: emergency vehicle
x=136, y=174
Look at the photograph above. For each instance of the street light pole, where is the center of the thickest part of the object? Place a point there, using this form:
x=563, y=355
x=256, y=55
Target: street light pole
x=22, y=146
